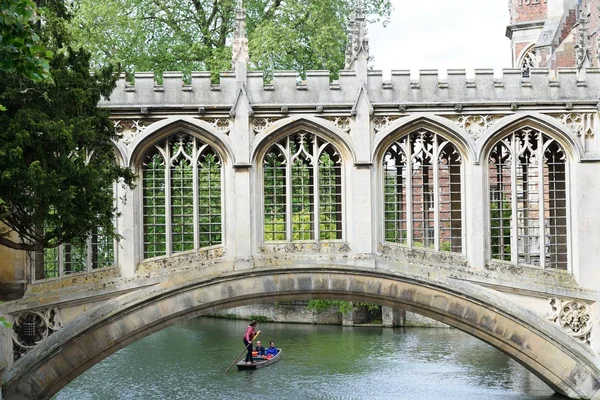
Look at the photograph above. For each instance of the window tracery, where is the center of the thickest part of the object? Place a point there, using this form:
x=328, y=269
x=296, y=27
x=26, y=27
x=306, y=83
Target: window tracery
x=422, y=181
x=181, y=190
x=528, y=62
x=302, y=190
x=528, y=200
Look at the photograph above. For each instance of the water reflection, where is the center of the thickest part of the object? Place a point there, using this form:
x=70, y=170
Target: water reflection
x=187, y=361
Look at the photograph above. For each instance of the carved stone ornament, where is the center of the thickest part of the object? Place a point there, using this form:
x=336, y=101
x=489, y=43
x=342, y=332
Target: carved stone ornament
x=475, y=125
x=223, y=125
x=357, y=35
x=259, y=125
x=581, y=124
x=239, y=46
x=31, y=327
x=343, y=123
x=574, y=318
x=382, y=122
x=128, y=130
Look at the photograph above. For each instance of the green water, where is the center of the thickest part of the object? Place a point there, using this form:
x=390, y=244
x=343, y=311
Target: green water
x=187, y=361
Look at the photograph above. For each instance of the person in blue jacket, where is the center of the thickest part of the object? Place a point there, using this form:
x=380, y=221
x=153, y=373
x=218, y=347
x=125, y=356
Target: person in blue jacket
x=260, y=349
x=271, y=350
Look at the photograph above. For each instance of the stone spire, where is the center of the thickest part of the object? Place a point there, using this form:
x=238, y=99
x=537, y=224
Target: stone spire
x=239, y=48
x=357, y=36
x=582, y=48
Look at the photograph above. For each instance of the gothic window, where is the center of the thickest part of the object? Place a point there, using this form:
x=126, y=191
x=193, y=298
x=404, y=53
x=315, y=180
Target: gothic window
x=302, y=184
x=181, y=190
x=422, y=192
x=528, y=211
x=527, y=62
x=96, y=252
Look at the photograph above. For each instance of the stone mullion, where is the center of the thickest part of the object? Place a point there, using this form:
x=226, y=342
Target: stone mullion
x=288, y=192
x=436, y=194
x=61, y=264
x=541, y=202
x=409, y=193
x=195, y=191
x=316, y=191
x=463, y=207
x=514, y=234
x=88, y=253
x=168, y=184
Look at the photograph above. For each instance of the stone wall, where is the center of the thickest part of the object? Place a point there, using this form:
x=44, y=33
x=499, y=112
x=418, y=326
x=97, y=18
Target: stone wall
x=296, y=312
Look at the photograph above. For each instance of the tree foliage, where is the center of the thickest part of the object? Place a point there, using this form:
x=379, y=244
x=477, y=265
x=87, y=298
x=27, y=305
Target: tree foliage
x=57, y=161
x=186, y=35
x=21, y=50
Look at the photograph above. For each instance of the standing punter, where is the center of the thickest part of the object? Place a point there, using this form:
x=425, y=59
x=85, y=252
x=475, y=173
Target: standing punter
x=249, y=336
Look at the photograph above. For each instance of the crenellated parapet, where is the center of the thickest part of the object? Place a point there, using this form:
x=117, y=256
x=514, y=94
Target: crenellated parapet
x=287, y=88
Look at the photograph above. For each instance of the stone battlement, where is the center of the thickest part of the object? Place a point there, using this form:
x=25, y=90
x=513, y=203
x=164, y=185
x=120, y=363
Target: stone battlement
x=286, y=88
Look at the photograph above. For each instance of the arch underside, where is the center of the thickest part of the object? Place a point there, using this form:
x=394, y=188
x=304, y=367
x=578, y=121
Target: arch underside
x=567, y=367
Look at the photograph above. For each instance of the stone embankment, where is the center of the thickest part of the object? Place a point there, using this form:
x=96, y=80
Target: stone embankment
x=298, y=313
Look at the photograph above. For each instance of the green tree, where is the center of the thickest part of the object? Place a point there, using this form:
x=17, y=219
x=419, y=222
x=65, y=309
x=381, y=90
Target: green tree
x=21, y=50
x=57, y=161
x=186, y=35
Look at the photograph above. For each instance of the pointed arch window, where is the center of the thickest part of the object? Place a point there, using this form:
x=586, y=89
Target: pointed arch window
x=302, y=190
x=528, y=61
x=422, y=183
x=181, y=186
x=528, y=200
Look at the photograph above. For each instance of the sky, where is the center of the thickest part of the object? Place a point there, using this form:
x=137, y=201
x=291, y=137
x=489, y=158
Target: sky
x=442, y=34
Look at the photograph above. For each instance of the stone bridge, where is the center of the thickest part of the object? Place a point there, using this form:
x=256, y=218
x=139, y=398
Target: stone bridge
x=470, y=200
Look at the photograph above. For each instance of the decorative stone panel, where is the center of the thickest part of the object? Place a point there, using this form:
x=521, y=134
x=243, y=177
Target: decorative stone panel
x=32, y=327
x=320, y=247
x=573, y=317
x=474, y=125
x=260, y=124
x=343, y=123
x=128, y=130
x=223, y=125
x=382, y=122
x=583, y=125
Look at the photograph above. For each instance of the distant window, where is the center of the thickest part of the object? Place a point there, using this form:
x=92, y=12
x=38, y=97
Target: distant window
x=528, y=62
x=97, y=252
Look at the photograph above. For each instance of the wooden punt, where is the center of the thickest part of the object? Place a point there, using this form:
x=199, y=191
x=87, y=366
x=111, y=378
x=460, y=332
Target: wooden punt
x=259, y=362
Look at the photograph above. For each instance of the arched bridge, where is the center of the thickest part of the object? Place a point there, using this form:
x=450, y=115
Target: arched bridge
x=540, y=346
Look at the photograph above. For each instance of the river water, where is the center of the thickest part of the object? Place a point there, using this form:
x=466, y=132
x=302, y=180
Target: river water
x=187, y=361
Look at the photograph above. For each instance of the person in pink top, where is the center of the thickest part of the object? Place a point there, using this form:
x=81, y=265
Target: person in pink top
x=249, y=336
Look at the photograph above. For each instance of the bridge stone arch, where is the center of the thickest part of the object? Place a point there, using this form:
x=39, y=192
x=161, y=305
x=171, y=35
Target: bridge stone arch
x=568, y=368
x=544, y=123
x=319, y=126
x=442, y=126
x=192, y=126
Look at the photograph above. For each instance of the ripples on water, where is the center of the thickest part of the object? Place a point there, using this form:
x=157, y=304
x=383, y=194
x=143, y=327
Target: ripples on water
x=187, y=361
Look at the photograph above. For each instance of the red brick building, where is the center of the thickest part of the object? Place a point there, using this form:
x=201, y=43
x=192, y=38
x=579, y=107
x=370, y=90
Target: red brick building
x=554, y=33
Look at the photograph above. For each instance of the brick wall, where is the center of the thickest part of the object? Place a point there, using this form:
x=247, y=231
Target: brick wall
x=565, y=52
x=529, y=10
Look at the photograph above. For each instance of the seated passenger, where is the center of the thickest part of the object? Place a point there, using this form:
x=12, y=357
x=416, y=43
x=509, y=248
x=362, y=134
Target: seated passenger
x=260, y=350
x=271, y=350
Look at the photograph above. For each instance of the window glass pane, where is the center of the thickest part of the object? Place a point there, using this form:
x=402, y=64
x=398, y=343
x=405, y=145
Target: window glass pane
x=209, y=199
x=154, y=211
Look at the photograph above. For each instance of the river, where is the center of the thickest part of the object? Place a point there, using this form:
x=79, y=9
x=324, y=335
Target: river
x=187, y=361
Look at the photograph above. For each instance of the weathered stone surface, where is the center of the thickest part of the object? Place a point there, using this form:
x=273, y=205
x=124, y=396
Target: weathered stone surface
x=568, y=367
